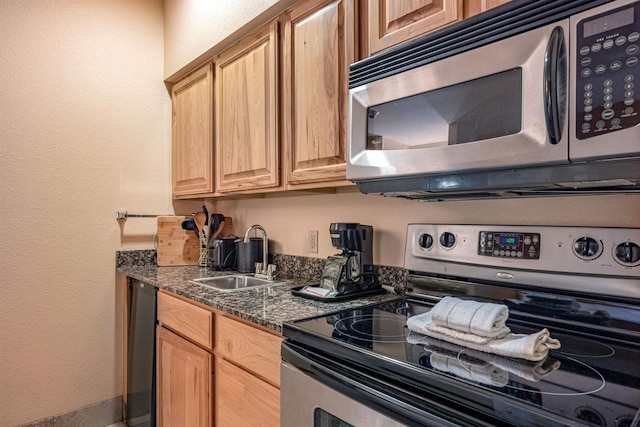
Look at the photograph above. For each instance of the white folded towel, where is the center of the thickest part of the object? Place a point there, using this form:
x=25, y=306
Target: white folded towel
x=482, y=319
x=532, y=371
x=531, y=347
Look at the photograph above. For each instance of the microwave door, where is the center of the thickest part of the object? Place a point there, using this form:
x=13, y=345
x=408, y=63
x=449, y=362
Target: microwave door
x=605, y=82
x=498, y=106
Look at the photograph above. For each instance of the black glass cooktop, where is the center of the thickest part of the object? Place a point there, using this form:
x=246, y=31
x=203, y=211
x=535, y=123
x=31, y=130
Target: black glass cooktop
x=588, y=381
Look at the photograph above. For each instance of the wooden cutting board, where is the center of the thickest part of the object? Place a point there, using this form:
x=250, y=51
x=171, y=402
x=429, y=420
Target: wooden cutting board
x=175, y=245
x=181, y=247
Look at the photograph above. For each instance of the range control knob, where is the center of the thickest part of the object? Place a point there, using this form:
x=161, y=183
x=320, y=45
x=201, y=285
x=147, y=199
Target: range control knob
x=447, y=240
x=627, y=253
x=425, y=241
x=587, y=248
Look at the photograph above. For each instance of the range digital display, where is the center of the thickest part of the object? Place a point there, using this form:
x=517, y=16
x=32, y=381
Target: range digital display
x=608, y=23
x=508, y=240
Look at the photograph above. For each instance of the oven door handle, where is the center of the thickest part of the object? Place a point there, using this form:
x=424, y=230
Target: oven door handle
x=555, y=85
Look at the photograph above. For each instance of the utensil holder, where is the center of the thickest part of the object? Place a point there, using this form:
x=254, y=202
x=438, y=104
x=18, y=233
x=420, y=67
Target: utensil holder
x=203, y=259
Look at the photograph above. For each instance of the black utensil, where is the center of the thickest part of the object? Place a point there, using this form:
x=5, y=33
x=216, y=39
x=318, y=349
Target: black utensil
x=190, y=224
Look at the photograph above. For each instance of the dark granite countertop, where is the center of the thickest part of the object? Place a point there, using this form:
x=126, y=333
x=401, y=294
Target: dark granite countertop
x=268, y=306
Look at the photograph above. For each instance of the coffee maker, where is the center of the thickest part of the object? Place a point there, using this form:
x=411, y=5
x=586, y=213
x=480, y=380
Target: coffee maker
x=351, y=271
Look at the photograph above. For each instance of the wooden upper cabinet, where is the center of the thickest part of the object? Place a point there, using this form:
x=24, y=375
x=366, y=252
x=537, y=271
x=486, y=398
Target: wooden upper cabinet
x=192, y=133
x=474, y=7
x=319, y=45
x=389, y=22
x=247, y=113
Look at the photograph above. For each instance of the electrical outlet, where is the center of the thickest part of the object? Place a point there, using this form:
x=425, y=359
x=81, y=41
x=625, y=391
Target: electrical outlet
x=313, y=242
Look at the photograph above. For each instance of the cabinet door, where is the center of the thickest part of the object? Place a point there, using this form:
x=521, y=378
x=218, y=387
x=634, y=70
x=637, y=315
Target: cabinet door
x=390, y=22
x=246, y=114
x=319, y=45
x=192, y=133
x=474, y=7
x=184, y=381
x=244, y=400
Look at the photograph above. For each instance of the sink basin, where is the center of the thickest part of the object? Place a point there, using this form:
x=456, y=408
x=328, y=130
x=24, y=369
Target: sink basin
x=235, y=282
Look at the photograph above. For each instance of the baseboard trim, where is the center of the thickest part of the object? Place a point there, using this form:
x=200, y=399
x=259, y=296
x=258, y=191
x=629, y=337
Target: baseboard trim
x=98, y=414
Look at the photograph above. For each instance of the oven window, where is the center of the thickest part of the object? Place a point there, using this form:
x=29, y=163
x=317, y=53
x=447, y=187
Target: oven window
x=322, y=418
x=476, y=110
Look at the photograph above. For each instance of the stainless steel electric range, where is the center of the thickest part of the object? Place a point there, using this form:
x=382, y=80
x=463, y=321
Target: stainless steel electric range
x=363, y=367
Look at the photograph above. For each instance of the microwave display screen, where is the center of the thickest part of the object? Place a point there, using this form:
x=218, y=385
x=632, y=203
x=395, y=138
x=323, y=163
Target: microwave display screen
x=469, y=112
x=608, y=23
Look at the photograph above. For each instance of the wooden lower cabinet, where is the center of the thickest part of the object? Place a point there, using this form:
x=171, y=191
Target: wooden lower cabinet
x=246, y=373
x=184, y=382
x=243, y=399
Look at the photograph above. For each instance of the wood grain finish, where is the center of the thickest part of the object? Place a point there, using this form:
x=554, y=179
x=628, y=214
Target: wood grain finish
x=185, y=383
x=176, y=246
x=192, y=133
x=189, y=320
x=247, y=155
x=389, y=22
x=319, y=44
x=253, y=349
x=244, y=400
x=474, y=7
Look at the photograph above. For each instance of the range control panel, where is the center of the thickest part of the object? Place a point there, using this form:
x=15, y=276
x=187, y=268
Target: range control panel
x=569, y=249
x=509, y=244
x=607, y=72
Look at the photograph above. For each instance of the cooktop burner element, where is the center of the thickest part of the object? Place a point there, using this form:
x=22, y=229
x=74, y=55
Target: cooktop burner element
x=592, y=379
x=359, y=328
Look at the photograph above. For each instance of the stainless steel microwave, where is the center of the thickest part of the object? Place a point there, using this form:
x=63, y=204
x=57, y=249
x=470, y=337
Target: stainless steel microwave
x=527, y=99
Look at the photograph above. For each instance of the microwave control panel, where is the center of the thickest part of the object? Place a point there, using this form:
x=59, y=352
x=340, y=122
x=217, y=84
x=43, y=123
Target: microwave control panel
x=509, y=245
x=607, y=72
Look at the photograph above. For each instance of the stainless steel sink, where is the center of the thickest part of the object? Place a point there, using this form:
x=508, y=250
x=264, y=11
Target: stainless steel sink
x=235, y=282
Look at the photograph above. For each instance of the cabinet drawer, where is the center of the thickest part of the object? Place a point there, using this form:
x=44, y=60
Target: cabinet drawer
x=253, y=349
x=190, y=321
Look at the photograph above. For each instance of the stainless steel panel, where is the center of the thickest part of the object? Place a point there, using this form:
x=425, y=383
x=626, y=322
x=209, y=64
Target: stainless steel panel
x=530, y=146
x=558, y=266
x=301, y=395
x=625, y=142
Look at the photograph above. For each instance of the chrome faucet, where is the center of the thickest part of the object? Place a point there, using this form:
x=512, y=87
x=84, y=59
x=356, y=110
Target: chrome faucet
x=267, y=269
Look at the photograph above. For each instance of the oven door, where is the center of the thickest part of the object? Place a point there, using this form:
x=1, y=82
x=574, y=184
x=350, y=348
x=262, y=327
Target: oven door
x=316, y=392
x=497, y=106
x=307, y=402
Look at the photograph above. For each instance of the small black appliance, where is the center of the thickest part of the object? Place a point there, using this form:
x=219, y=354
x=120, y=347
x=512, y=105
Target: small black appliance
x=223, y=253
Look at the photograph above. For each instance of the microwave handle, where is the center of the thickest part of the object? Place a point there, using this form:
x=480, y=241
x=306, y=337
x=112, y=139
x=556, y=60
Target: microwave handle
x=554, y=82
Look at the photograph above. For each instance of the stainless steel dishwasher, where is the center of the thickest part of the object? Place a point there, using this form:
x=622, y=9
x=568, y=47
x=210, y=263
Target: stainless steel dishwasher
x=140, y=409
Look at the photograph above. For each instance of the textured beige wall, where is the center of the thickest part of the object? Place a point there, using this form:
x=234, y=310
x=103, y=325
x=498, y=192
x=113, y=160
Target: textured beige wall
x=84, y=130
x=192, y=27
x=288, y=219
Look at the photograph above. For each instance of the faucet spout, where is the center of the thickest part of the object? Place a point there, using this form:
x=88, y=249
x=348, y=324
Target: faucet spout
x=265, y=245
